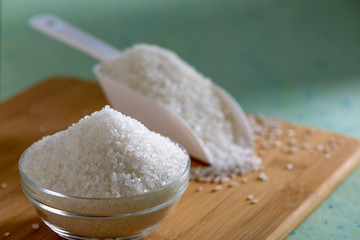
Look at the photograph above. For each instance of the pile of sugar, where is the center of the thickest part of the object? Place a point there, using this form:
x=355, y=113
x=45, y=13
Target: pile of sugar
x=162, y=76
x=106, y=154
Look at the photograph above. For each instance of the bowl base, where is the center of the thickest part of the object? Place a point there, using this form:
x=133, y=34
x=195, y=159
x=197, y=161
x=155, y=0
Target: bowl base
x=70, y=236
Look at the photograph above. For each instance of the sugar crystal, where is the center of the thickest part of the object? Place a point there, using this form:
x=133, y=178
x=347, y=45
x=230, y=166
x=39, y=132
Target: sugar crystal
x=250, y=197
x=35, y=226
x=263, y=177
x=233, y=184
x=289, y=166
x=217, y=188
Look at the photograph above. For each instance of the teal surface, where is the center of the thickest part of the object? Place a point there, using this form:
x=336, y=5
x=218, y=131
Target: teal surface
x=293, y=60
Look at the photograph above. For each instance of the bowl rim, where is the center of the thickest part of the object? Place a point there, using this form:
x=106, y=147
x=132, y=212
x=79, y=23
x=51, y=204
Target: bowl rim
x=58, y=194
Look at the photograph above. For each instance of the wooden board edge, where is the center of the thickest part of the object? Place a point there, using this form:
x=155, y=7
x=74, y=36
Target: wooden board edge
x=45, y=81
x=317, y=197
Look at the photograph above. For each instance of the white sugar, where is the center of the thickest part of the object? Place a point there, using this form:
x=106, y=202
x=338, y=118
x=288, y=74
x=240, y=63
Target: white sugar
x=263, y=177
x=277, y=143
x=4, y=185
x=319, y=148
x=163, y=77
x=224, y=179
x=289, y=166
x=290, y=133
x=217, y=188
x=250, y=197
x=106, y=154
x=233, y=184
x=327, y=149
x=35, y=226
x=293, y=149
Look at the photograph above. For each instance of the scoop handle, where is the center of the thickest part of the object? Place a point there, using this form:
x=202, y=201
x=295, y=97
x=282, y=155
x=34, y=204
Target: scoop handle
x=73, y=36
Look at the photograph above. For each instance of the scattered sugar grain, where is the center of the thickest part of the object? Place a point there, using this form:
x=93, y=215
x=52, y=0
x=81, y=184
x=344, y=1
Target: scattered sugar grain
x=250, y=197
x=217, y=188
x=327, y=149
x=292, y=142
x=327, y=156
x=278, y=132
x=216, y=179
x=289, y=166
x=233, y=184
x=244, y=180
x=293, y=149
x=224, y=179
x=278, y=143
x=203, y=179
x=232, y=175
x=35, y=226
x=6, y=234
x=199, y=189
x=319, y=148
x=263, y=177
x=255, y=201
x=4, y=185
x=264, y=127
x=290, y=133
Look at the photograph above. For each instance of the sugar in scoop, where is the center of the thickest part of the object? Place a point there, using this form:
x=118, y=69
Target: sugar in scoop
x=163, y=77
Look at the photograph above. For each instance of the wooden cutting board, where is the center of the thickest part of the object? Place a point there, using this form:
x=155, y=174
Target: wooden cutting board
x=283, y=200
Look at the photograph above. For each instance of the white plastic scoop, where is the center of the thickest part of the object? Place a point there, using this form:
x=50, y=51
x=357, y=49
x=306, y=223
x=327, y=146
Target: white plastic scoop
x=132, y=103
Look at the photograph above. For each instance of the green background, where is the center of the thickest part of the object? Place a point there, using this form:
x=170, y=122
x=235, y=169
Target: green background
x=293, y=60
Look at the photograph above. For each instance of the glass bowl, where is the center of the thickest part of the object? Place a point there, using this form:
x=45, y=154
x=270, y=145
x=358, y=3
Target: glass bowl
x=131, y=217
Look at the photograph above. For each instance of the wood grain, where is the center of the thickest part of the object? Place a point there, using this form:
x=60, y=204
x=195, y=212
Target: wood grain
x=284, y=200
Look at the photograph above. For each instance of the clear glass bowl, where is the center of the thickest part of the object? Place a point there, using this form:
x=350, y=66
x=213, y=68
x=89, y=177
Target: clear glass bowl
x=105, y=218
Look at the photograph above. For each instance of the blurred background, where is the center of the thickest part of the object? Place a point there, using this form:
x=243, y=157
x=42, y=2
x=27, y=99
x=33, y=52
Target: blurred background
x=297, y=61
